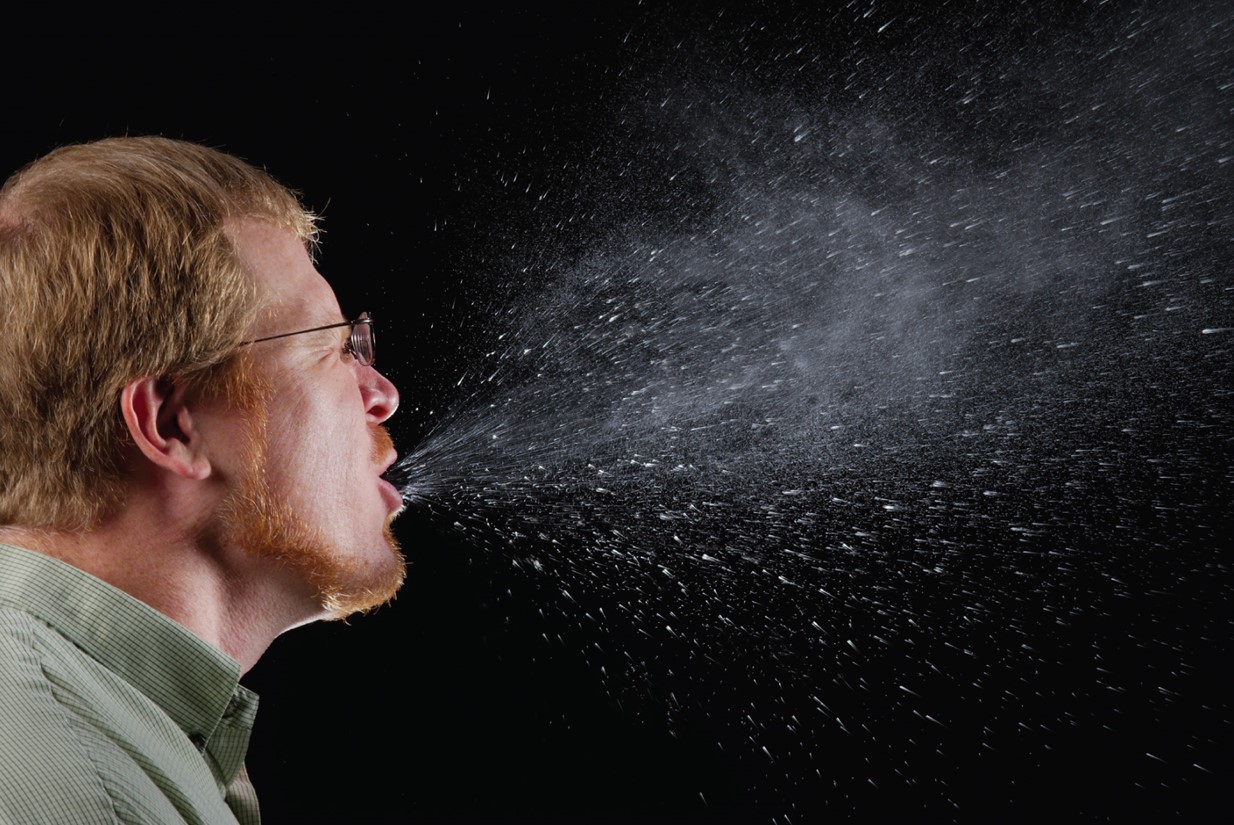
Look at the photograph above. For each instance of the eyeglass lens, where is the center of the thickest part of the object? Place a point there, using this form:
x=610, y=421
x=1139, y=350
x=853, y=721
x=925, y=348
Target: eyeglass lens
x=363, y=342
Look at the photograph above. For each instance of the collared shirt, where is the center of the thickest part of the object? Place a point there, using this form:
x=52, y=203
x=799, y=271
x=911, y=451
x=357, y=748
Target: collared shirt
x=109, y=710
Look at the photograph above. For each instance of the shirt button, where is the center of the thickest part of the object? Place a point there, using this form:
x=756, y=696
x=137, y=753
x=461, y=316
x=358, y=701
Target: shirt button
x=198, y=741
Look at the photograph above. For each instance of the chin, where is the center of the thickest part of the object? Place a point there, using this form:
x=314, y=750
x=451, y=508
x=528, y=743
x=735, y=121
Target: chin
x=350, y=586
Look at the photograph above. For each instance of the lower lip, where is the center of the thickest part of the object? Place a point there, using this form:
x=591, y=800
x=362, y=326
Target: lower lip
x=391, y=494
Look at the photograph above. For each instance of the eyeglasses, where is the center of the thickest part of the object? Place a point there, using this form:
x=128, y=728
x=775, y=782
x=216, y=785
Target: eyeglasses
x=361, y=344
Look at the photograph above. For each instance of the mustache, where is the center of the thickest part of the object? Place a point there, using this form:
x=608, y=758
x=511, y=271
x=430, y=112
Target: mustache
x=382, y=443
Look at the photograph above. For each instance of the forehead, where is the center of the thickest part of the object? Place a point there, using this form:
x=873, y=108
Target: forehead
x=290, y=289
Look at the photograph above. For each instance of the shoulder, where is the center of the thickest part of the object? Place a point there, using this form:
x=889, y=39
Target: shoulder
x=45, y=774
x=31, y=656
x=24, y=683
x=54, y=767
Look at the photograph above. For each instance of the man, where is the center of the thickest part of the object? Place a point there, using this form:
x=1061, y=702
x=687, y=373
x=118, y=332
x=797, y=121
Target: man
x=190, y=459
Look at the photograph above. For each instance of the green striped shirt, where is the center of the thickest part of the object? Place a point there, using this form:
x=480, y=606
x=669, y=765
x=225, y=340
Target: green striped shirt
x=109, y=710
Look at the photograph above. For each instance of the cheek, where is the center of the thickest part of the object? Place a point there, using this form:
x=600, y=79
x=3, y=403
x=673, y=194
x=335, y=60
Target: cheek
x=314, y=439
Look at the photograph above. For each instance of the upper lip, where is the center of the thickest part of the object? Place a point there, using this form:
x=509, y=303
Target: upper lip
x=390, y=463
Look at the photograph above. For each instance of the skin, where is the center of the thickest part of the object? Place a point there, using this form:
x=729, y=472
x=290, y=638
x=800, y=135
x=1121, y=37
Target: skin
x=239, y=524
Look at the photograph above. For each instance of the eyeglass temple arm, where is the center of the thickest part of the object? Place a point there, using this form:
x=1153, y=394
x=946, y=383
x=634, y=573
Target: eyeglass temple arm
x=363, y=320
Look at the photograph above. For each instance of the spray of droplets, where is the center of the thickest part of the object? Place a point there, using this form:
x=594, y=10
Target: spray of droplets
x=867, y=444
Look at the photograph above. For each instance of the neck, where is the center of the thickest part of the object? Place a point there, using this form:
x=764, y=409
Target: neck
x=235, y=602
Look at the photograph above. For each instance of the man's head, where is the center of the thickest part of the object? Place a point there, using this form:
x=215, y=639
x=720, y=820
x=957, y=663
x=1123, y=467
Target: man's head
x=147, y=258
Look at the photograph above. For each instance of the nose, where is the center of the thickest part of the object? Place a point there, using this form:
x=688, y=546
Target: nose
x=379, y=394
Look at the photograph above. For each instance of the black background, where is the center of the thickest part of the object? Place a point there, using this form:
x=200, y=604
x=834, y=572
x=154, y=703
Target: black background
x=450, y=705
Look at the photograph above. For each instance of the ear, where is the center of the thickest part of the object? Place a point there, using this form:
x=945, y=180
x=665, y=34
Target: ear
x=162, y=425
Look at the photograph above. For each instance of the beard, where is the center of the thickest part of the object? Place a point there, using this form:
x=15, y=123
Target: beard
x=256, y=522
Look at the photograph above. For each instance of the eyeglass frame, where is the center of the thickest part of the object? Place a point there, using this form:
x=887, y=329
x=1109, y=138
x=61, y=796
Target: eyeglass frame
x=351, y=346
